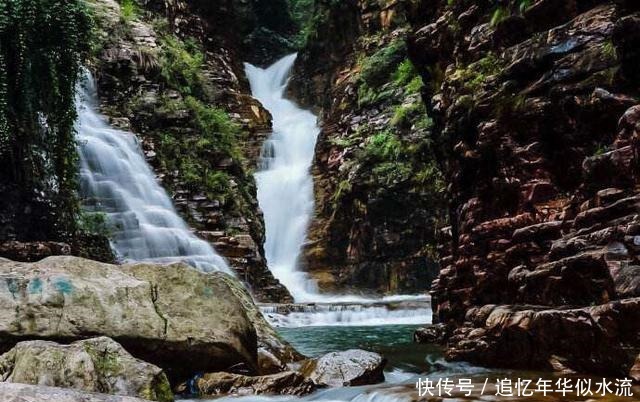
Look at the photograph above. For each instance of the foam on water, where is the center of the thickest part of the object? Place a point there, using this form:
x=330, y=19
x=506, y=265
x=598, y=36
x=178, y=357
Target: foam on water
x=115, y=179
x=350, y=314
x=285, y=186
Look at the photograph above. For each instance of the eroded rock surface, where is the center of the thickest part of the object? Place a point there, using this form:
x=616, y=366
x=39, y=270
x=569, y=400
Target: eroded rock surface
x=32, y=393
x=94, y=365
x=285, y=383
x=173, y=316
x=536, y=123
x=349, y=368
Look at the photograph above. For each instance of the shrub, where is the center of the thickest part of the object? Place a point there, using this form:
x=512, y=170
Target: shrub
x=181, y=64
x=129, y=10
x=377, y=68
x=384, y=146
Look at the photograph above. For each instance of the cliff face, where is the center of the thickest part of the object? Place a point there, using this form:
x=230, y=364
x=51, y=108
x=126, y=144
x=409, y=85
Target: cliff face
x=172, y=73
x=376, y=185
x=536, y=123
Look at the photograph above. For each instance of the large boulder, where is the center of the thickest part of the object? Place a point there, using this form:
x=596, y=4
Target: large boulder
x=93, y=365
x=174, y=316
x=285, y=383
x=31, y=393
x=592, y=339
x=351, y=367
x=274, y=353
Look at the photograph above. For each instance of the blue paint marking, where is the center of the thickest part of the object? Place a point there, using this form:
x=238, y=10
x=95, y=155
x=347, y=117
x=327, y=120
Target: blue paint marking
x=63, y=286
x=35, y=286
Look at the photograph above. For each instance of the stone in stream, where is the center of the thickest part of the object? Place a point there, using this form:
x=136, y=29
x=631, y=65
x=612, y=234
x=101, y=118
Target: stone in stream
x=92, y=365
x=435, y=333
x=31, y=393
x=348, y=368
x=285, y=383
x=173, y=316
x=274, y=353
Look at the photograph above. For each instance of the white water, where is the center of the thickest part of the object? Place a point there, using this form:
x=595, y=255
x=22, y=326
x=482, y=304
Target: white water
x=340, y=314
x=115, y=179
x=285, y=186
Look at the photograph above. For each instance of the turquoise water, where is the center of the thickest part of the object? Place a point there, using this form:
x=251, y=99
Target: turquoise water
x=407, y=362
x=392, y=341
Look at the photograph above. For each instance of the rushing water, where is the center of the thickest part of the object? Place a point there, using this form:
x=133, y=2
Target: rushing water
x=285, y=186
x=407, y=362
x=116, y=180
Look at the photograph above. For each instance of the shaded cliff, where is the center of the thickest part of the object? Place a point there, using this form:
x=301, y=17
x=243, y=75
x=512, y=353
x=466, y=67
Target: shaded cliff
x=377, y=186
x=536, y=125
x=172, y=73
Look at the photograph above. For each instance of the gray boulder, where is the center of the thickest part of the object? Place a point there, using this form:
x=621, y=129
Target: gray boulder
x=32, y=393
x=286, y=383
x=351, y=367
x=174, y=316
x=93, y=365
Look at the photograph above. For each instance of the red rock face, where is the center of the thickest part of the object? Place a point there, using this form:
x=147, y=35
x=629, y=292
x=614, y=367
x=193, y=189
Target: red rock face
x=537, y=122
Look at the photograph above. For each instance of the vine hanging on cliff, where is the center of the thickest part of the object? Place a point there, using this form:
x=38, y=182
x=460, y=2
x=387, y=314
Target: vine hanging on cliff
x=41, y=47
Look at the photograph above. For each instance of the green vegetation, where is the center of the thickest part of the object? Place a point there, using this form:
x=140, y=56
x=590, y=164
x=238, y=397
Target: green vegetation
x=475, y=75
x=42, y=43
x=503, y=12
x=217, y=138
x=376, y=69
x=181, y=64
x=93, y=223
x=130, y=10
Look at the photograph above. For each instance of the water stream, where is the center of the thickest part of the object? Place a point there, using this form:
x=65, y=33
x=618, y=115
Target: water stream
x=116, y=180
x=285, y=186
x=285, y=194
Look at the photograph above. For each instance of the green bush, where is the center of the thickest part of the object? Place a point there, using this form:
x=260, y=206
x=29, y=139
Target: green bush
x=181, y=65
x=384, y=146
x=377, y=68
x=129, y=10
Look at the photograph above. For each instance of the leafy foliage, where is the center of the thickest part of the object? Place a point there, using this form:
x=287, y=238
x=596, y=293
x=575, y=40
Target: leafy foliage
x=376, y=69
x=217, y=136
x=181, y=66
x=41, y=47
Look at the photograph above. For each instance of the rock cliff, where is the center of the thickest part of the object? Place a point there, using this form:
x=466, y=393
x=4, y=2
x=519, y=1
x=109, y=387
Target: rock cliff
x=536, y=125
x=172, y=73
x=377, y=186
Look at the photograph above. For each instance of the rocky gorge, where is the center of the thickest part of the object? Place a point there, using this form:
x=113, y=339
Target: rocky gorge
x=534, y=107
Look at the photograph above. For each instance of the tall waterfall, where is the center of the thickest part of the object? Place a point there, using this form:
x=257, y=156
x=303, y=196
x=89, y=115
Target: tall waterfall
x=285, y=186
x=115, y=179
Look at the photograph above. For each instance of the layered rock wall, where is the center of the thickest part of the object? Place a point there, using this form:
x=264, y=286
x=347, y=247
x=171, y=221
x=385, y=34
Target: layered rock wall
x=375, y=181
x=536, y=125
x=169, y=74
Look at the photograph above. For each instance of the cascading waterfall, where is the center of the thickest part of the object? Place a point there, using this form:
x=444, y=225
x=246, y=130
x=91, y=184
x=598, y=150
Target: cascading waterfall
x=285, y=186
x=285, y=194
x=116, y=180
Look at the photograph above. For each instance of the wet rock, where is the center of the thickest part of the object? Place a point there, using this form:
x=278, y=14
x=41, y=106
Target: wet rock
x=285, y=383
x=579, y=340
x=93, y=365
x=348, y=368
x=174, y=316
x=435, y=334
x=274, y=353
x=32, y=251
x=32, y=393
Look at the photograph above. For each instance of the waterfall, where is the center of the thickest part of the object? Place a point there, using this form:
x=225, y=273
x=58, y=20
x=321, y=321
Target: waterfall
x=116, y=180
x=285, y=194
x=285, y=186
